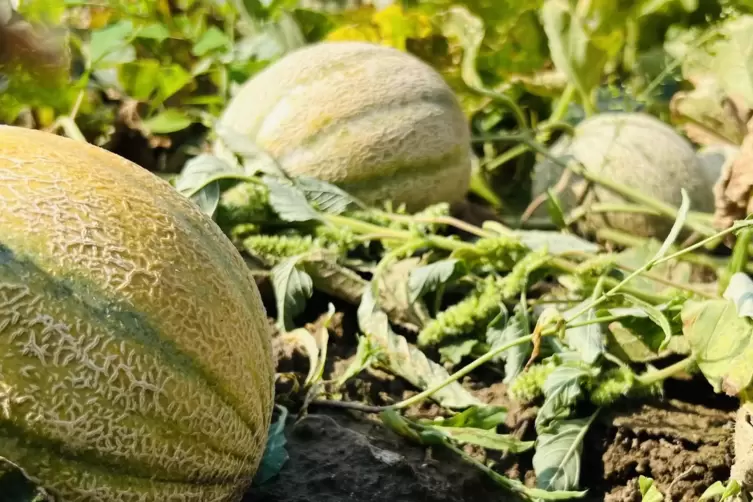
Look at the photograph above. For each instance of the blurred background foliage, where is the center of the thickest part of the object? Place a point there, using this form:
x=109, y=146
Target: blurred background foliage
x=147, y=78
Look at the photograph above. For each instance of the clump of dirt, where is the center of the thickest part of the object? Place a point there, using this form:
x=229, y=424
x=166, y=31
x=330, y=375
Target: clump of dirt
x=684, y=447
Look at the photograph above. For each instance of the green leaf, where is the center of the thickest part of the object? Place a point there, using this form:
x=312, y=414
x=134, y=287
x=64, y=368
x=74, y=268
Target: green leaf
x=582, y=42
x=275, y=454
x=485, y=438
x=721, y=342
x=293, y=287
x=501, y=332
x=211, y=40
x=733, y=58
x=168, y=121
x=174, y=78
x=326, y=197
x=480, y=417
x=557, y=458
x=140, y=78
x=429, y=277
x=199, y=180
x=654, y=314
x=455, y=350
x=111, y=44
x=562, y=389
x=649, y=492
x=587, y=340
x=289, y=202
x=555, y=242
x=154, y=31
x=403, y=359
x=718, y=491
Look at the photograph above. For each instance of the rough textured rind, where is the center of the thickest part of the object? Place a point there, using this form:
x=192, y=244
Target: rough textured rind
x=636, y=150
x=135, y=359
x=376, y=121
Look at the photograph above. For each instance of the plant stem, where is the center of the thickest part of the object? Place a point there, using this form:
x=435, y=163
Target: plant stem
x=652, y=377
x=462, y=372
x=652, y=263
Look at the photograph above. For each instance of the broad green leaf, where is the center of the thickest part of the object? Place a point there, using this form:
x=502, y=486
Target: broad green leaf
x=582, y=42
x=638, y=339
x=562, y=389
x=199, y=180
x=721, y=342
x=430, y=277
x=403, y=359
x=288, y=201
x=733, y=58
x=168, y=121
x=557, y=459
x=140, y=78
x=456, y=349
x=292, y=287
x=502, y=331
x=111, y=44
x=174, y=78
x=587, y=340
x=211, y=40
x=326, y=197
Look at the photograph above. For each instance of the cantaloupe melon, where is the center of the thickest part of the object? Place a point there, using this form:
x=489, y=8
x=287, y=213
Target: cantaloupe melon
x=378, y=122
x=636, y=150
x=135, y=358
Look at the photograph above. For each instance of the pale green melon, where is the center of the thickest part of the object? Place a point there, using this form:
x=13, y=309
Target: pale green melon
x=135, y=354
x=378, y=122
x=636, y=150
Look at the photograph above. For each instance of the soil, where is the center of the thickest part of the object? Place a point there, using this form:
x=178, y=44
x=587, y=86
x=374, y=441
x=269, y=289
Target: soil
x=683, y=441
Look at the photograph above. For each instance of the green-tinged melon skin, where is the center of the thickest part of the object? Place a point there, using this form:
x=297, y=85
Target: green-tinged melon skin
x=378, y=122
x=135, y=354
x=636, y=150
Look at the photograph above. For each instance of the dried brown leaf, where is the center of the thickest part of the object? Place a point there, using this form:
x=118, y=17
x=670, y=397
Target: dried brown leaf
x=732, y=192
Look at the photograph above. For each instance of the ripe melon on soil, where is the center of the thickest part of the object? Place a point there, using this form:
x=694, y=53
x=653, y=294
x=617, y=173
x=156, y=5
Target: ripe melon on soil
x=635, y=150
x=135, y=358
x=378, y=122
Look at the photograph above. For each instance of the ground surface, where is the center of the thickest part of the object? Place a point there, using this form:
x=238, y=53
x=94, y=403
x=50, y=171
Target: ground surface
x=683, y=441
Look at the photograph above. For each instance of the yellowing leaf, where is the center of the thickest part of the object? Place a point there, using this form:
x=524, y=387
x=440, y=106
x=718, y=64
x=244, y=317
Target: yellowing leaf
x=721, y=342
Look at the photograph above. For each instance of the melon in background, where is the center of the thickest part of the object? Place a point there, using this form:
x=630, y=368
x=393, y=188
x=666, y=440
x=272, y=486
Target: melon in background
x=636, y=150
x=378, y=122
